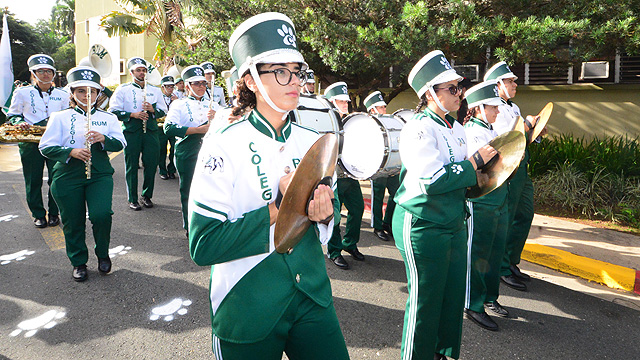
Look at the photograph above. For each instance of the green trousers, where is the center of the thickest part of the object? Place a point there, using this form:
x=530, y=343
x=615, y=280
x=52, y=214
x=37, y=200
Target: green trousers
x=33, y=168
x=186, y=166
x=435, y=259
x=349, y=194
x=306, y=331
x=378, y=187
x=487, y=230
x=147, y=144
x=165, y=168
x=76, y=194
x=520, y=203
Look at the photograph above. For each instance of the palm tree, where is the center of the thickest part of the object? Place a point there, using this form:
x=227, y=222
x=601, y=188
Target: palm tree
x=63, y=18
x=157, y=18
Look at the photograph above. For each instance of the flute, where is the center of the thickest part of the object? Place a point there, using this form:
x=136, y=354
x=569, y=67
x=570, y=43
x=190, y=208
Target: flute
x=144, y=100
x=211, y=95
x=86, y=142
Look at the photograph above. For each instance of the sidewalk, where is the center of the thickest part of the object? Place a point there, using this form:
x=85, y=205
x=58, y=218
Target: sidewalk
x=605, y=256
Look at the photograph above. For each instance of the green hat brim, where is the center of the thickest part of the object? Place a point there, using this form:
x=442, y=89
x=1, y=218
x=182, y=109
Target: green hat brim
x=499, y=71
x=485, y=93
x=76, y=79
x=422, y=76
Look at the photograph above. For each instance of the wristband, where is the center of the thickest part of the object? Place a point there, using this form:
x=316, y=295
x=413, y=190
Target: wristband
x=479, y=160
x=528, y=123
x=279, y=198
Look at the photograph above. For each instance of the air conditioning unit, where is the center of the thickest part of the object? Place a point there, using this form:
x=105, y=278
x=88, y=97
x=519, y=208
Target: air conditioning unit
x=594, y=70
x=471, y=72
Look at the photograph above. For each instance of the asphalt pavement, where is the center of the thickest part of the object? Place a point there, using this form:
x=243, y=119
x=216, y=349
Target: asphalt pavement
x=154, y=304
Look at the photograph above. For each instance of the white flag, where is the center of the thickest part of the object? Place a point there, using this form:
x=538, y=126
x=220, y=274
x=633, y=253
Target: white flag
x=6, y=65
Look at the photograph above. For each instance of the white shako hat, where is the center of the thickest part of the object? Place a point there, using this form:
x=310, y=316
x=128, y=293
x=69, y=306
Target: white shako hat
x=499, y=72
x=311, y=76
x=208, y=67
x=136, y=62
x=374, y=99
x=83, y=76
x=431, y=70
x=337, y=91
x=267, y=38
x=40, y=61
x=485, y=93
x=167, y=80
x=193, y=73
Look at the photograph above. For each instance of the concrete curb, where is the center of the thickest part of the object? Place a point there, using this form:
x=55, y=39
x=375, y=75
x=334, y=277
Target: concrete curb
x=613, y=276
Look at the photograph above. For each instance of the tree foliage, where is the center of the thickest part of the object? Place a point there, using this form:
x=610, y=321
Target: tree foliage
x=358, y=41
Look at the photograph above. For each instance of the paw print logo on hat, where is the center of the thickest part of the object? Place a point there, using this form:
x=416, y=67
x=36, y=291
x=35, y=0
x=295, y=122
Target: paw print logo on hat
x=198, y=72
x=445, y=63
x=138, y=61
x=87, y=75
x=495, y=91
x=457, y=169
x=344, y=90
x=288, y=37
x=42, y=60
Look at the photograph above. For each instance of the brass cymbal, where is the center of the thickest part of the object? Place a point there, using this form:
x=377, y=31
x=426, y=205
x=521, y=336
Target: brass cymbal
x=544, y=114
x=519, y=125
x=510, y=147
x=292, y=221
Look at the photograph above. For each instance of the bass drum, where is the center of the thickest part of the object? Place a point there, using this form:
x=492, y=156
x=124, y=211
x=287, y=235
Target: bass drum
x=370, y=146
x=317, y=113
x=404, y=114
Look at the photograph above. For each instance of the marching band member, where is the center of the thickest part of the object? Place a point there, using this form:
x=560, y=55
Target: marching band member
x=520, y=200
x=32, y=105
x=135, y=104
x=488, y=222
x=168, y=96
x=179, y=91
x=381, y=226
x=310, y=87
x=64, y=143
x=212, y=89
x=263, y=303
x=429, y=220
x=349, y=194
x=188, y=119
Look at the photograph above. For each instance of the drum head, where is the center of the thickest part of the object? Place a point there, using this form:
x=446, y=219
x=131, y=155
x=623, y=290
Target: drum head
x=404, y=114
x=317, y=113
x=363, y=149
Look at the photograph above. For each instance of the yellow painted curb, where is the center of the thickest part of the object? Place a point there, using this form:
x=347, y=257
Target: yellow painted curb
x=614, y=276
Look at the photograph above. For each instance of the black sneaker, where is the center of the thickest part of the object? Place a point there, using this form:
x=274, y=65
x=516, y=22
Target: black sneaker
x=80, y=273
x=135, y=206
x=104, y=265
x=146, y=202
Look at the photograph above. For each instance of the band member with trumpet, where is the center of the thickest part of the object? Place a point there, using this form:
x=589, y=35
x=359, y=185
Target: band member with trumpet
x=32, y=105
x=520, y=200
x=214, y=93
x=168, y=96
x=188, y=119
x=64, y=143
x=349, y=194
x=429, y=219
x=310, y=87
x=138, y=104
x=488, y=221
x=381, y=226
x=263, y=303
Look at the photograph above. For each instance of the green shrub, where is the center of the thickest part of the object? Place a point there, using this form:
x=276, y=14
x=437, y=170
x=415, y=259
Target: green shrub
x=598, y=179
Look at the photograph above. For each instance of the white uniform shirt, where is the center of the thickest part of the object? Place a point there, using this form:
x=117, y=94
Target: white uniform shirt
x=188, y=112
x=34, y=105
x=129, y=97
x=479, y=133
x=238, y=171
x=507, y=117
x=68, y=129
x=180, y=94
x=221, y=119
x=218, y=97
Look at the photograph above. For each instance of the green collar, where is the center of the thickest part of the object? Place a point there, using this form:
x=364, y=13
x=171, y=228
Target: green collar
x=480, y=122
x=134, y=83
x=447, y=122
x=79, y=110
x=509, y=102
x=261, y=124
x=193, y=98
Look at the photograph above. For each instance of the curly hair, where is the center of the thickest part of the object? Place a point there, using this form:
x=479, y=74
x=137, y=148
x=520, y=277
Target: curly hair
x=470, y=113
x=246, y=98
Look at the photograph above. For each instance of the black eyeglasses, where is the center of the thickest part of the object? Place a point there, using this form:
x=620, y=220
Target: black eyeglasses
x=453, y=89
x=284, y=75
